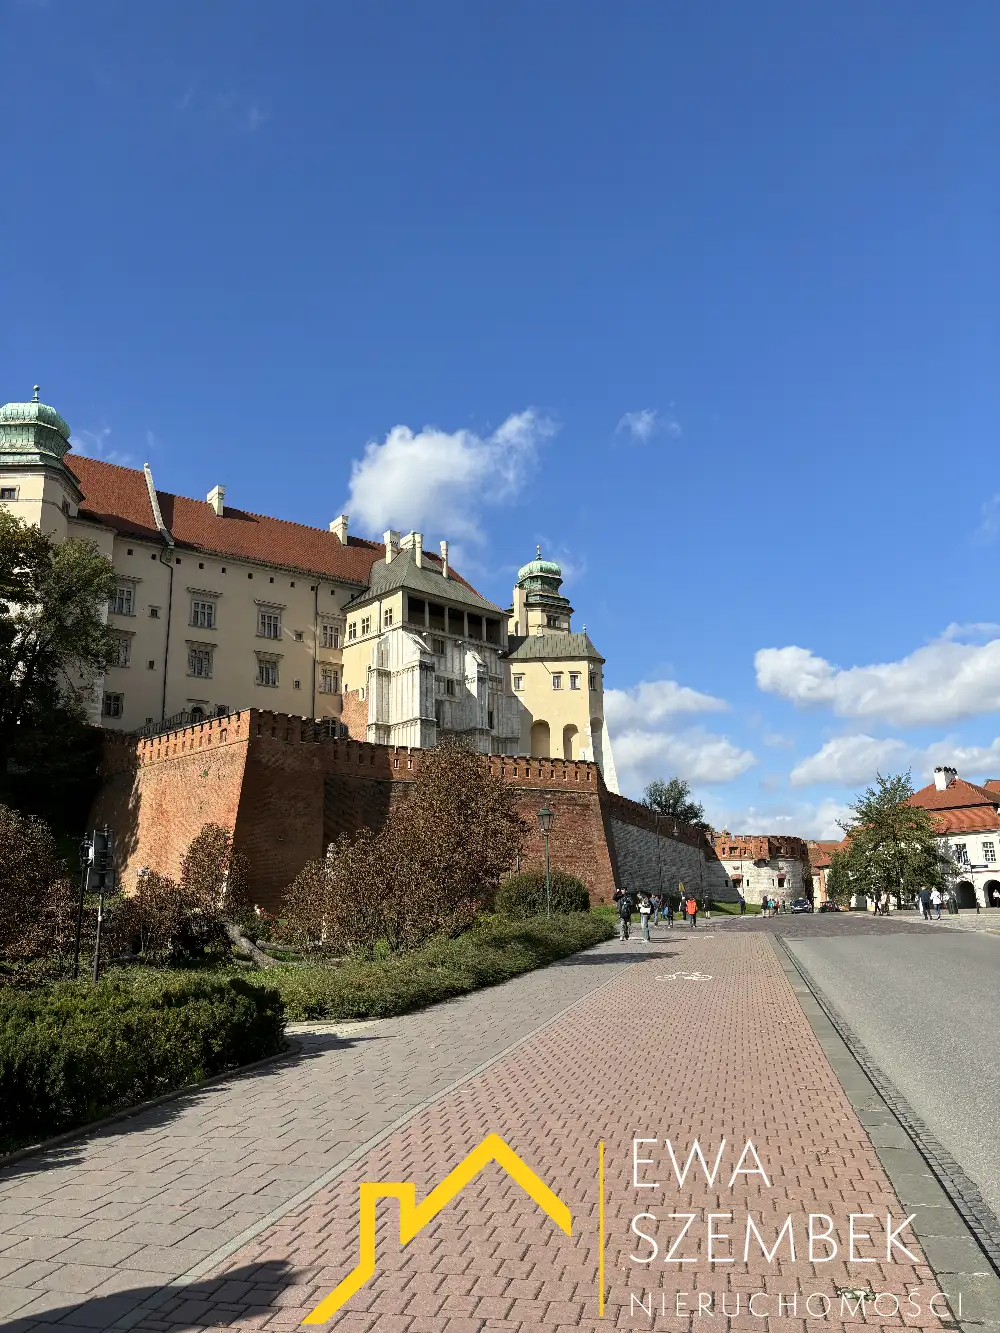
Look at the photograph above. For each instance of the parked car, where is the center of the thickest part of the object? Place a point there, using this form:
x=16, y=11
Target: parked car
x=829, y=907
x=801, y=905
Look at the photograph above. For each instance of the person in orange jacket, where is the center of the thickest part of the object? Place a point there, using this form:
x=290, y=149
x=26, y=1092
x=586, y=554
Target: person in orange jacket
x=691, y=910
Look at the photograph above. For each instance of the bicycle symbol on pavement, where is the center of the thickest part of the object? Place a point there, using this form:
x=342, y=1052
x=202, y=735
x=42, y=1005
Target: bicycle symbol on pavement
x=685, y=976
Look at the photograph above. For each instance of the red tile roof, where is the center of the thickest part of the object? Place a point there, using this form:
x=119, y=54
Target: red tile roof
x=992, y=784
x=978, y=819
x=819, y=852
x=958, y=795
x=117, y=496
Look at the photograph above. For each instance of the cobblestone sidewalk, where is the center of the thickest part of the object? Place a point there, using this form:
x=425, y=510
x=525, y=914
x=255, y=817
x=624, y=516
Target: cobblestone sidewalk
x=91, y=1229
x=707, y=1042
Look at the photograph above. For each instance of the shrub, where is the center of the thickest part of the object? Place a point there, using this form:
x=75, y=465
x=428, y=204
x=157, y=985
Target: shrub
x=523, y=895
x=36, y=895
x=493, y=950
x=436, y=863
x=73, y=1053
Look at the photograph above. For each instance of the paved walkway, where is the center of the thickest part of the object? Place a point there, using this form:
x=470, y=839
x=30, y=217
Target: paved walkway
x=250, y=1192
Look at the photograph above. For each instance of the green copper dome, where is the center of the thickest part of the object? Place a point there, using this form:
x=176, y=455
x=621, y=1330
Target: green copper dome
x=33, y=413
x=539, y=568
x=32, y=433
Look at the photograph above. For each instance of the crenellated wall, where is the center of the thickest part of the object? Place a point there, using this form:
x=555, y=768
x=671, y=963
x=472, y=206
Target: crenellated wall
x=286, y=788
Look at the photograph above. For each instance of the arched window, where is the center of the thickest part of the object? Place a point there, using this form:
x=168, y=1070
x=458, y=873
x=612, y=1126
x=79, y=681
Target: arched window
x=197, y=714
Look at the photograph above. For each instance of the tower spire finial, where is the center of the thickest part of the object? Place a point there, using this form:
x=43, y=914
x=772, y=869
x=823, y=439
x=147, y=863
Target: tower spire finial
x=37, y=391
x=538, y=548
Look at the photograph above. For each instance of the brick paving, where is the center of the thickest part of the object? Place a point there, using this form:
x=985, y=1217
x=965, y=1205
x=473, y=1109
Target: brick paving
x=728, y=1057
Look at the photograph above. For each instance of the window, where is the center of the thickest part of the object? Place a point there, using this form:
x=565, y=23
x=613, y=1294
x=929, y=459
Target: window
x=199, y=660
x=296, y=684
x=557, y=680
x=352, y=630
x=574, y=680
x=329, y=681
x=553, y=622
x=123, y=652
x=387, y=617
x=438, y=646
x=330, y=636
x=489, y=719
x=366, y=625
x=267, y=671
x=449, y=687
x=203, y=614
x=298, y=636
x=197, y=713
x=518, y=682
x=151, y=665
x=989, y=851
x=123, y=602
x=114, y=704
x=269, y=624
x=221, y=710
x=961, y=853
x=154, y=613
x=593, y=680
x=10, y=493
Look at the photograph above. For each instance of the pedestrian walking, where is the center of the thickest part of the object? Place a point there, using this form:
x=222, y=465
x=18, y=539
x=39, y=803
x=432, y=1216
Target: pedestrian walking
x=657, y=903
x=924, y=903
x=624, y=913
x=995, y=895
x=936, y=901
x=668, y=911
x=743, y=905
x=691, y=910
x=645, y=908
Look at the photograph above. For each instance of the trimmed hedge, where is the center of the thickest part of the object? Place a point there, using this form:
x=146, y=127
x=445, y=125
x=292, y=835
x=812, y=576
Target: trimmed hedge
x=522, y=896
x=74, y=1052
x=491, y=951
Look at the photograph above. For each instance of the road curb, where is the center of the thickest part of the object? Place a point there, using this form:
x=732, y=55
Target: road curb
x=957, y=1230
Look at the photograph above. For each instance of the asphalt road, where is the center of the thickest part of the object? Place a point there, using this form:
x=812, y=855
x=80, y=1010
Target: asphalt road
x=925, y=1001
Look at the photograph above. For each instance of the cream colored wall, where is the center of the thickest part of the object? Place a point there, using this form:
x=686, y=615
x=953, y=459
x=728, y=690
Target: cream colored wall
x=234, y=639
x=358, y=652
x=40, y=499
x=559, y=708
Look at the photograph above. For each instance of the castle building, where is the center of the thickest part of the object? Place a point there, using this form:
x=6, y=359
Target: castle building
x=218, y=609
x=556, y=673
x=967, y=818
x=762, y=866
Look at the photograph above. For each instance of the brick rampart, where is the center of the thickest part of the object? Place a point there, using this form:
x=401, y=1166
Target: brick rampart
x=287, y=788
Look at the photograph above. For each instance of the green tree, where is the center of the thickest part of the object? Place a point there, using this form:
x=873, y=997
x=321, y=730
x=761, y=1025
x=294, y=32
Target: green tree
x=893, y=850
x=673, y=798
x=53, y=640
x=838, y=879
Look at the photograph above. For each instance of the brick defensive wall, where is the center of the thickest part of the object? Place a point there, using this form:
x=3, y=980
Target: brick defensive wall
x=286, y=789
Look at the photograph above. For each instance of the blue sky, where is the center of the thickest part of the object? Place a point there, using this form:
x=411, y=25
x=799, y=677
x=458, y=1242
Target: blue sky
x=704, y=299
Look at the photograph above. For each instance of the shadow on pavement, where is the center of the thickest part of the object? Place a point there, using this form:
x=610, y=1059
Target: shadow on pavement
x=312, y=1046
x=243, y=1293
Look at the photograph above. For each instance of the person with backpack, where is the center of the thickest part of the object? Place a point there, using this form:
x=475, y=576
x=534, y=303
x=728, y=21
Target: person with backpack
x=691, y=910
x=645, y=907
x=668, y=911
x=743, y=905
x=624, y=902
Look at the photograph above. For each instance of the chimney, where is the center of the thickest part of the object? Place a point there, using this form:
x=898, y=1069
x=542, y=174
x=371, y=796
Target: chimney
x=391, y=539
x=944, y=777
x=339, y=527
x=215, y=498
x=444, y=559
x=418, y=549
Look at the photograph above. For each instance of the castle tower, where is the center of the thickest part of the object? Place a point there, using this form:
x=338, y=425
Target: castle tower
x=557, y=674
x=35, y=483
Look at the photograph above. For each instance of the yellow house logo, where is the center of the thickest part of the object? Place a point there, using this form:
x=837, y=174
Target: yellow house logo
x=413, y=1216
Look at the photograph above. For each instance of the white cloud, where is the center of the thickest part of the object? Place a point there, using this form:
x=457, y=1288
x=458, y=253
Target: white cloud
x=851, y=759
x=649, y=742
x=93, y=444
x=435, y=479
x=940, y=682
x=653, y=701
x=803, y=820
x=693, y=754
x=646, y=423
x=239, y=114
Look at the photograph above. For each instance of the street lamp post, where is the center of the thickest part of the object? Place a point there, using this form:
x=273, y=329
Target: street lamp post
x=545, y=818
